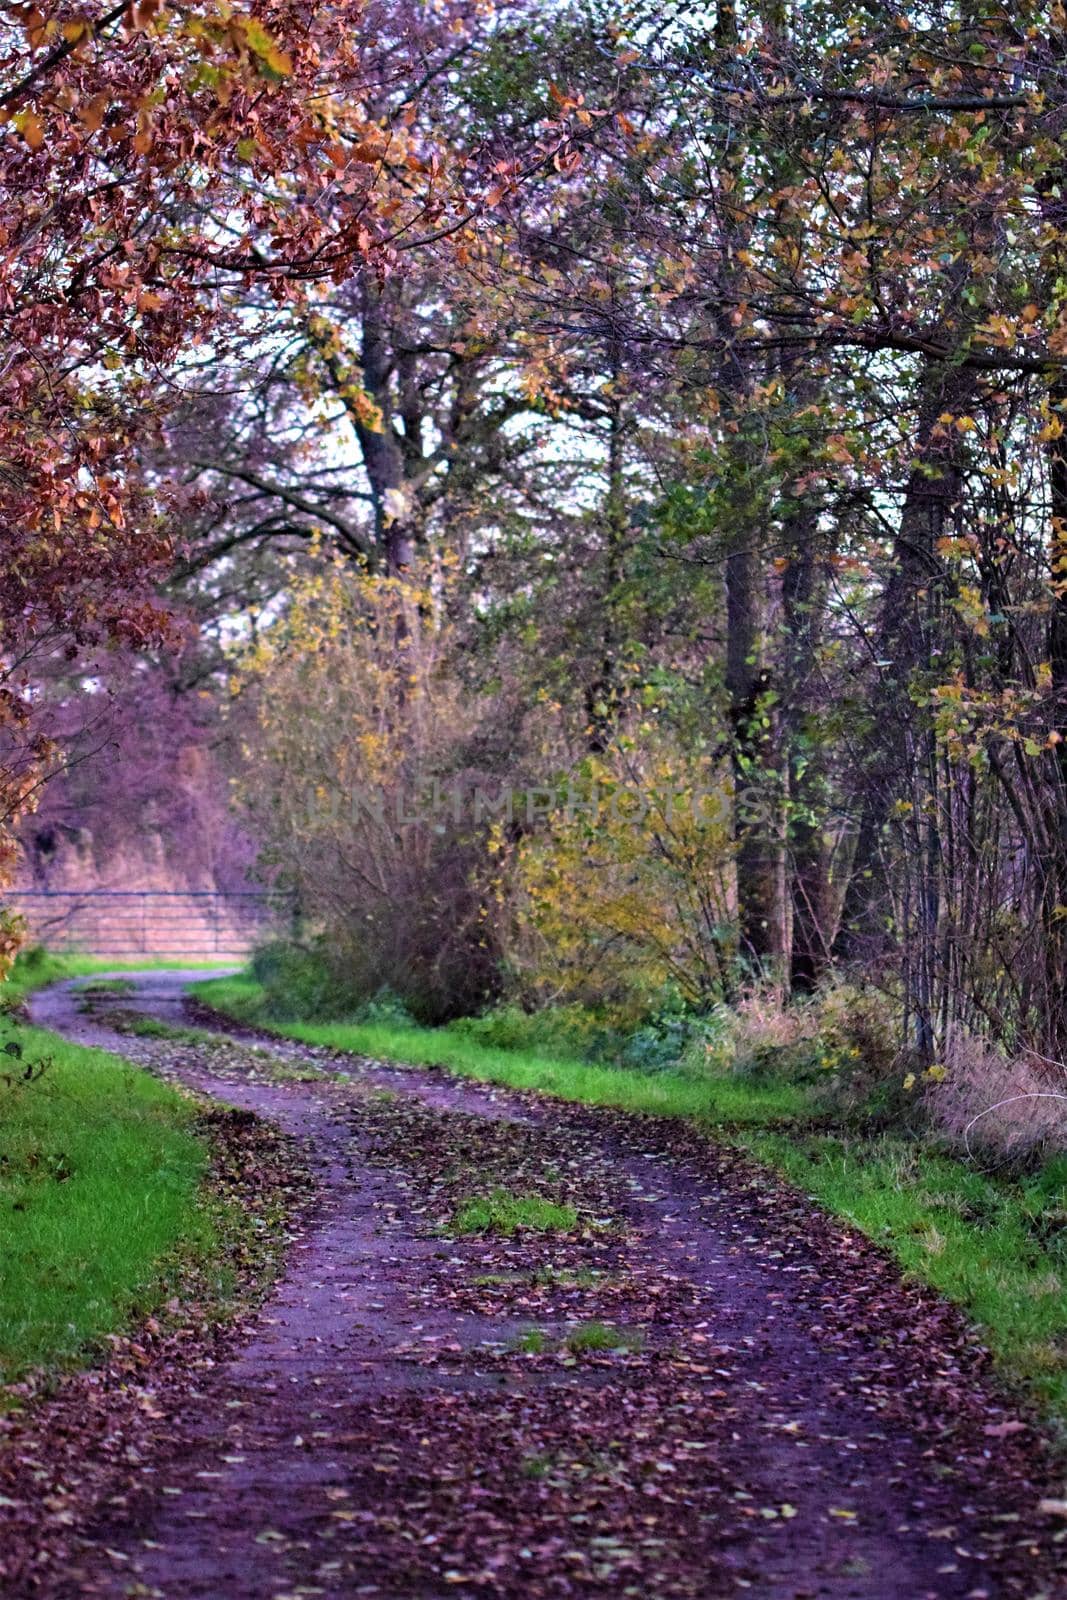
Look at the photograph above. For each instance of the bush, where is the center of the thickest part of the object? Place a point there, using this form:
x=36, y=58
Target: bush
x=660, y=1045
x=759, y=1038
x=670, y=1036
x=348, y=775
x=859, y=1072
x=32, y=966
x=385, y=1010
x=301, y=983
x=840, y=1044
x=571, y=1030
x=298, y=982
x=605, y=915
x=676, y=1036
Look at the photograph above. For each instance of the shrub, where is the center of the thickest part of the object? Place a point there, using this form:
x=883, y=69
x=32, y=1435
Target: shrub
x=385, y=1010
x=298, y=982
x=669, y=1036
x=625, y=887
x=859, y=1071
x=569, y=1030
x=302, y=982
x=857, y=1032
x=676, y=1036
x=345, y=770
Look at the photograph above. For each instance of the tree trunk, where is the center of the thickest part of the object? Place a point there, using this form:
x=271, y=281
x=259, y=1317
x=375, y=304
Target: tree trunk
x=1054, y=890
x=759, y=855
x=1053, y=898
x=759, y=846
x=803, y=603
x=903, y=645
x=602, y=692
x=395, y=512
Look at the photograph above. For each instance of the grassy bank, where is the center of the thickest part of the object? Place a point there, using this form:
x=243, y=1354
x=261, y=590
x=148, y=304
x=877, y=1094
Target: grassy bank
x=994, y=1243
x=99, y=1174
x=99, y=1177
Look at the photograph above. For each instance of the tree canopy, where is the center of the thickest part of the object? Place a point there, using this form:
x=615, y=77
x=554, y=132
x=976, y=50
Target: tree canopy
x=676, y=396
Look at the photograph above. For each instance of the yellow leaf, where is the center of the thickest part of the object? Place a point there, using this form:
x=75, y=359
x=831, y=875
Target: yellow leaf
x=261, y=43
x=92, y=112
x=31, y=128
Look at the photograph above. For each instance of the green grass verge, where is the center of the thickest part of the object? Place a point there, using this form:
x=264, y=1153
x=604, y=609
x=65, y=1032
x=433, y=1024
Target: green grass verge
x=99, y=1174
x=666, y=1094
x=994, y=1244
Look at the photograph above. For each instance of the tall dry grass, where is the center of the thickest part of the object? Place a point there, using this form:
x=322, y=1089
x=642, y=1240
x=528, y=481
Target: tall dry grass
x=1012, y=1108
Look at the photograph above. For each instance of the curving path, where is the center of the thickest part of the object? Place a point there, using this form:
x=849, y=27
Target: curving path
x=420, y=1413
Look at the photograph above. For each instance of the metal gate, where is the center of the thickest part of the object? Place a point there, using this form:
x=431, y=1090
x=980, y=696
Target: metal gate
x=193, y=924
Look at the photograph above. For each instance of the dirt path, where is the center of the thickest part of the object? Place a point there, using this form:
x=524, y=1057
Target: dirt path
x=777, y=1414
